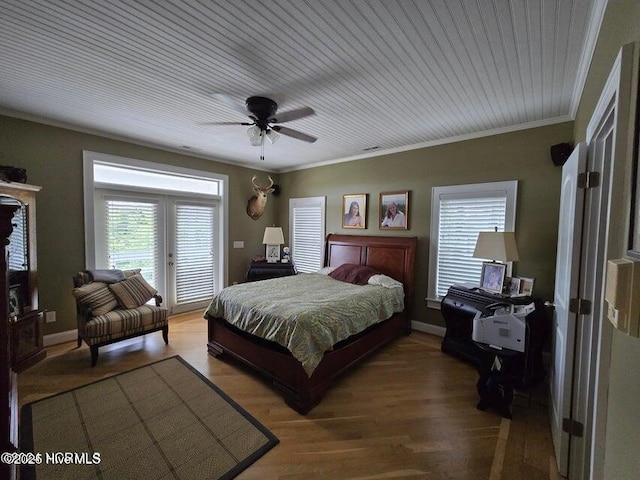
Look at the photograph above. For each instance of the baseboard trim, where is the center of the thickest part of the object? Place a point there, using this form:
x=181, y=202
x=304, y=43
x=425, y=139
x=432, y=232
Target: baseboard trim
x=60, y=337
x=428, y=328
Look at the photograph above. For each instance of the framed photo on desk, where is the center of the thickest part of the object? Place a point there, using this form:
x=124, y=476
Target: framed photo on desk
x=492, y=279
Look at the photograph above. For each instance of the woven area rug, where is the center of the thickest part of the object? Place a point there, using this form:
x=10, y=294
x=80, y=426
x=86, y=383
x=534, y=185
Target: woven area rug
x=161, y=421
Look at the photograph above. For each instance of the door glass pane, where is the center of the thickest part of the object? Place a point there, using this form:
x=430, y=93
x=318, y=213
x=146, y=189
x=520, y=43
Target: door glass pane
x=132, y=236
x=194, y=256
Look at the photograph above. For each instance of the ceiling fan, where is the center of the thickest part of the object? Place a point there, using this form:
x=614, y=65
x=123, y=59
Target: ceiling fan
x=263, y=114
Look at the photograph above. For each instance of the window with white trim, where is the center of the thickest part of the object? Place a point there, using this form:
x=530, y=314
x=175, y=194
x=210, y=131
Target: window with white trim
x=307, y=232
x=458, y=214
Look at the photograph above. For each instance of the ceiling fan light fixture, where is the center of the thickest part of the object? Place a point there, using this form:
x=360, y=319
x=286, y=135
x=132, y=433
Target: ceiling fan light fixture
x=255, y=135
x=273, y=136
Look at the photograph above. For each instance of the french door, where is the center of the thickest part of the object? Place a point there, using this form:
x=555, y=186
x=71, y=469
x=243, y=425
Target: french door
x=191, y=262
x=171, y=239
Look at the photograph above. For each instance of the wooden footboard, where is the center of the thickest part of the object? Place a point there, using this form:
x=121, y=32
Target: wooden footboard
x=300, y=391
x=393, y=256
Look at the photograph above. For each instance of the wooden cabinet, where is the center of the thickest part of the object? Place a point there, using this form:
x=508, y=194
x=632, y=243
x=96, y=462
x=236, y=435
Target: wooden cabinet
x=26, y=340
x=8, y=383
x=24, y=316
x=21, y=322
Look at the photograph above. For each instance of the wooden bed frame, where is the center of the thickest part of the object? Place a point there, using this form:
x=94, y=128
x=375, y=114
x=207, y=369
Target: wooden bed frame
x=393, y=256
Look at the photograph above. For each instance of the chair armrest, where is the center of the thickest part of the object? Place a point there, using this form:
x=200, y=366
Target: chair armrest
x=158, y=300
x=84, y=313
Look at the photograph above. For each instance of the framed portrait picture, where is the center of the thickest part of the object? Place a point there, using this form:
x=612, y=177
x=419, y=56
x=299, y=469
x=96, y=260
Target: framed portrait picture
x=492, y=279
x=354, y=210
x=512, y=286
x=394, y=210
x=526, y=286
x=15, y=301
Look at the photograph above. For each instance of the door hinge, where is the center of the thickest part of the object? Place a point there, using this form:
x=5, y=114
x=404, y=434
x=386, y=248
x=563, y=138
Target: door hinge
x=589, y=180
x=572, y=427
x=580, y=306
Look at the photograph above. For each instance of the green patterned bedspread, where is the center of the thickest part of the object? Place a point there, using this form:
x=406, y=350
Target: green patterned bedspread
x=305, y=313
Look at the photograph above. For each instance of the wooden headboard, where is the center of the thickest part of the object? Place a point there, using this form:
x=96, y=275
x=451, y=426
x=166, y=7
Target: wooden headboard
x=393, y=256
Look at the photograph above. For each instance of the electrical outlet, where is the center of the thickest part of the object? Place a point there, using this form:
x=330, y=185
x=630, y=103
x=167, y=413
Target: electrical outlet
x=50, y=317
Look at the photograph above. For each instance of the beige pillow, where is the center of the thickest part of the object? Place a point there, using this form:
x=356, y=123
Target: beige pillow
x=131, y=273
x=133, y=291
x=97, y=297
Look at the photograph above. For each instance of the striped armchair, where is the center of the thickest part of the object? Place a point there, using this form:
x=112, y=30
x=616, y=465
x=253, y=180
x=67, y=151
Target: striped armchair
x=112, y=306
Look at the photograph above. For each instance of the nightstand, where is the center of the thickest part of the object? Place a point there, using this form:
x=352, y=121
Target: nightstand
x=265, y=270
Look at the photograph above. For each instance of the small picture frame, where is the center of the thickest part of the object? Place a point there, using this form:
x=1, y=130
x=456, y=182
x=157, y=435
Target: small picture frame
x=513, y=286
x=273, y=253
x=15, y=301
x=394, y=211
x=354, y=210
x=526, y=286
x=492, y=278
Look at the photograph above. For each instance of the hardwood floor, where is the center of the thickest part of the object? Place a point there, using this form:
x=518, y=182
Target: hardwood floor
x=408, y=412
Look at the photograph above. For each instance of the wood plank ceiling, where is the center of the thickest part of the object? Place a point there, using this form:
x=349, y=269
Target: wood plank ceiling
x=390, y=74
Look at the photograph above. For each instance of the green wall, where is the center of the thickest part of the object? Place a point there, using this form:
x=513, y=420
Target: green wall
x=522, y=155
x=53, y=159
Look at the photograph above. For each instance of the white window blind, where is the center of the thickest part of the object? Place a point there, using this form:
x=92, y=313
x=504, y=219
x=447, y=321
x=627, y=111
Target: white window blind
x=194, y=259
x=461, y=219
x=307, y=221
x=132, y=236
x=458, y=214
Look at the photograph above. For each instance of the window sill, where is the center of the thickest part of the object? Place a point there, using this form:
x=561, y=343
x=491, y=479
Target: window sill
x=433, y=302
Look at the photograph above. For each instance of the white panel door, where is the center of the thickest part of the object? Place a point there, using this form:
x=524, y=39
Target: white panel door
x=566, y=288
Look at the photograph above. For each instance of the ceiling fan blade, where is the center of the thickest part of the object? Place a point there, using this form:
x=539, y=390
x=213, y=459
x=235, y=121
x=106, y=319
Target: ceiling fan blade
x=225, y=123
x=231, y=103
x=294, y=133
x=292, y=115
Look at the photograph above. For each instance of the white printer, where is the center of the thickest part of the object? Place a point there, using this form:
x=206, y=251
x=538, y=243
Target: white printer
x=504, y=327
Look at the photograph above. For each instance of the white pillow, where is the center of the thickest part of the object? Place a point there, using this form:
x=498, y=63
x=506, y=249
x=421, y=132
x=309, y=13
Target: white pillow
x=384, y=281
x=326, y=270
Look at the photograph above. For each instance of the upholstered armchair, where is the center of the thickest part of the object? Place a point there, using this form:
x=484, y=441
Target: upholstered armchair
x=112, y=306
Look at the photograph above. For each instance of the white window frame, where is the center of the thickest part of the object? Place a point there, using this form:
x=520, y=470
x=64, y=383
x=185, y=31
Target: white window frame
x=89, y=158
x=508, y=189
x=310, y=202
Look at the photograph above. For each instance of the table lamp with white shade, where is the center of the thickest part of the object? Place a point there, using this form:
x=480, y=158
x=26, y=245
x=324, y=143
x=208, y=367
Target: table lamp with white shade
x=273, y=238
x=498, y=247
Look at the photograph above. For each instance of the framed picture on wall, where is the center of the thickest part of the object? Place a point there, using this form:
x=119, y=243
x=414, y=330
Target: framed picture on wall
x=354, y=210
x=394, y=210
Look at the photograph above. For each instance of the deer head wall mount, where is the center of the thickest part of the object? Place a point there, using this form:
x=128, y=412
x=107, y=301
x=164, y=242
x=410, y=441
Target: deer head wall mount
x=256, y=204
